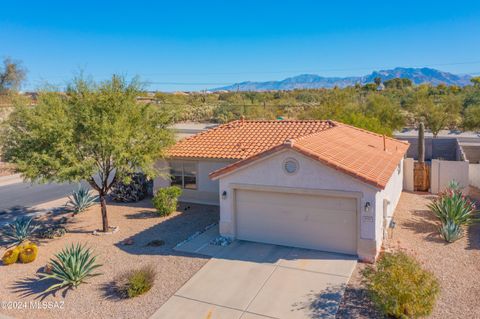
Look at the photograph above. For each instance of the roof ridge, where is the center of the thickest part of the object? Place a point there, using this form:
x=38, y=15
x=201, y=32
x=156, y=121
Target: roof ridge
x=314, y=133
x=369, y=132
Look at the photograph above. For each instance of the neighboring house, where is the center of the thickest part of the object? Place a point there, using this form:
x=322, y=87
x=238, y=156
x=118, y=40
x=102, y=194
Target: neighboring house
x=313, y=184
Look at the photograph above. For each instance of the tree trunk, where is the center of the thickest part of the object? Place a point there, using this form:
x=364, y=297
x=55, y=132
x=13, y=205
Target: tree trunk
x=103, y=205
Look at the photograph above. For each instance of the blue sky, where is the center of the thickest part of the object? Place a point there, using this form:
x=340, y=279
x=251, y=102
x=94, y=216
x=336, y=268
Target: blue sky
x=191, y=45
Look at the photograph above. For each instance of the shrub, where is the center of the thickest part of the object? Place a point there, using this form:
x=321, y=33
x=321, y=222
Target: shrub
x=52, y=232
x=399, y=287
x=20, y=230
x=10, y=256
x=72, y=266
x=135, y=282
x=81, y=199
x=136, y=189
x=28, y=253
x=166, y=199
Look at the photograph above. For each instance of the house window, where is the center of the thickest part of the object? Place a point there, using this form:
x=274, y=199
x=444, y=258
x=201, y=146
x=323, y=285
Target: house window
x=184, y=174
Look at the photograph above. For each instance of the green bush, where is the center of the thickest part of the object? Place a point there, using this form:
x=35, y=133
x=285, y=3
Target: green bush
x=166, y=199
x=399, y=287
x=135, y=282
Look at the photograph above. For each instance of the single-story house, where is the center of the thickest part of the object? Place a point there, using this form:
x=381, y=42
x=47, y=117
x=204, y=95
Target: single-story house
x=312, y=184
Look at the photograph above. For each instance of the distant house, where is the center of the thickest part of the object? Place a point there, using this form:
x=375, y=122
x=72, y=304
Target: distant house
x=312, y=184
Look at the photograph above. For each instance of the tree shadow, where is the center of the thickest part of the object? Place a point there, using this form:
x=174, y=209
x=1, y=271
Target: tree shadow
x=171, y=230
x=143, y=214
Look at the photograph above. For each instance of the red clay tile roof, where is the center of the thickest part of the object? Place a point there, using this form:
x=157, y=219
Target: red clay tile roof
x=242, y=139
x=356, y=152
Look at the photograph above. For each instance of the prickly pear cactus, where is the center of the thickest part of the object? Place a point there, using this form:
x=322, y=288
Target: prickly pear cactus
x=139, y=188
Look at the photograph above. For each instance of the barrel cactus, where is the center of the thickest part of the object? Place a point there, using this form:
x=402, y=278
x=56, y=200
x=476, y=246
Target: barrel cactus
x=28, y=253
x=10, y=256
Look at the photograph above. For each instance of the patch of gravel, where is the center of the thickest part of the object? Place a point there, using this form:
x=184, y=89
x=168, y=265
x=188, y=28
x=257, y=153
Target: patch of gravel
x=139, y=225
x=456, y=265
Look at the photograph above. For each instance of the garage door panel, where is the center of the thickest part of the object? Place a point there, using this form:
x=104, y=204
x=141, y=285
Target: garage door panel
x=308, y=221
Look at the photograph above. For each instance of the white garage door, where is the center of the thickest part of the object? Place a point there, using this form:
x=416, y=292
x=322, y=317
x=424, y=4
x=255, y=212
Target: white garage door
x=306, y=221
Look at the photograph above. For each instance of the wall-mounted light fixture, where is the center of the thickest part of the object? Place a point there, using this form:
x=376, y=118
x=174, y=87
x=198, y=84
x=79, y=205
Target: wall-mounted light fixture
x=367, y=206
x=224, y=194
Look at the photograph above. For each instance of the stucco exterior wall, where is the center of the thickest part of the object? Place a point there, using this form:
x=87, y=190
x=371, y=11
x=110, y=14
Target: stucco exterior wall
x=207, y=189
x=442, y=172
x=311, y=175
x=474, y=175
x=408, y=165
x=386, y=202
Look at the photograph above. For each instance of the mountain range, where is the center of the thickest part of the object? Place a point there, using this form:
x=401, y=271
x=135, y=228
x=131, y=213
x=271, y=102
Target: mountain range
x=313, y=81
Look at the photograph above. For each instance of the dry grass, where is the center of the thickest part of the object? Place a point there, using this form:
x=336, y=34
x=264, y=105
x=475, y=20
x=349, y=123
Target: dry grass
x=456, y=265
x=138, y=225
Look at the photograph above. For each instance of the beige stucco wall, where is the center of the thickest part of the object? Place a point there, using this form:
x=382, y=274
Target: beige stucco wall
x=207, y=189
x=408, y=165
x=386, y=201
x=474, y=175
x=442, y=172
x=313, y=175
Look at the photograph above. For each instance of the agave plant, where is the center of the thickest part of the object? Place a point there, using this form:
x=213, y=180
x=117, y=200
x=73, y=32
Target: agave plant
x=20, y=230
x=454, y=207
x=451, y=232
x=81, y=199
x=72, y=266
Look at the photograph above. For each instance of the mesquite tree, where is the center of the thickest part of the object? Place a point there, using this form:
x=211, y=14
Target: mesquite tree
x=95, y=132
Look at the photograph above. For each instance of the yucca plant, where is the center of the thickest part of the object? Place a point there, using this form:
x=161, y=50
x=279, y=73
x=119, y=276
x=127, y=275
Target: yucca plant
x=451, y=232
x=72, y=266
x=81, y=199
x=20, y=230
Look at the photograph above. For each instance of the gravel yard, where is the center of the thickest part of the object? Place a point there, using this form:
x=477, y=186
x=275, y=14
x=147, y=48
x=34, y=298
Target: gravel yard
x=456, y=265
x=95, y=299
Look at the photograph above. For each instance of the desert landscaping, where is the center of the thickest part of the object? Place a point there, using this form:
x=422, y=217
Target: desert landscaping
x=143, y=239
x=455, y=265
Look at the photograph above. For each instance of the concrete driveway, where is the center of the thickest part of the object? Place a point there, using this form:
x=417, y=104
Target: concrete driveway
x=253, y=281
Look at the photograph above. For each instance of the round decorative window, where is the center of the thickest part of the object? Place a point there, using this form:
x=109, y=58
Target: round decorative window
x=290, y=165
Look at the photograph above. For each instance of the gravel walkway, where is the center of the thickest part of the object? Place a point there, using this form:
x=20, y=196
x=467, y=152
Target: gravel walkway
x=456, y=265
x=95, y=299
